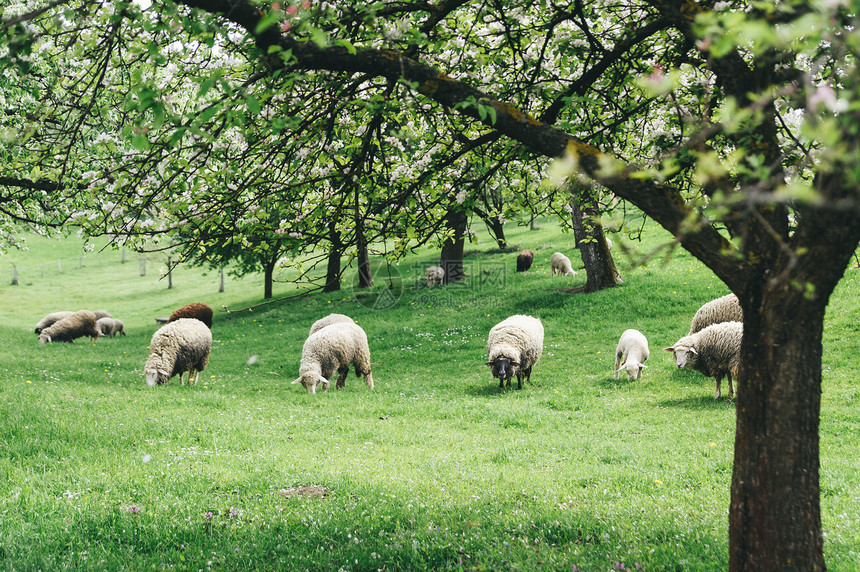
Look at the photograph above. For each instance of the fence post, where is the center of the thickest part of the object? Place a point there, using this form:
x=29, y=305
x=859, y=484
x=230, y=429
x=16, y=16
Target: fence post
x=221, y=287
x=169, y=274
x=123, y=255
x=14, y=275
x=142, y=266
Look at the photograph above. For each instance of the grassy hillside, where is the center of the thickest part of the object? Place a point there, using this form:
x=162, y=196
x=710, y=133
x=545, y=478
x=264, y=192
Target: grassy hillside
x=436, y=468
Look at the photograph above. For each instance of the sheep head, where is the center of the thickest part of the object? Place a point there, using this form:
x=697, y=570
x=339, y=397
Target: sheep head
x=156, y=377
x=311, y=381
x=633, y=369
x=684, y=355
x=503, y=367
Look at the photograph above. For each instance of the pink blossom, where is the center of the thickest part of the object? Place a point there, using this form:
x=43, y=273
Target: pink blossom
x=306, y=4
x=276, y=6
x=285, y=26
x=292, y=10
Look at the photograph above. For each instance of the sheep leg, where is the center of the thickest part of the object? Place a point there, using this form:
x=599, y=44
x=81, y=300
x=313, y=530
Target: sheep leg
x=501, y=383
x=341, y=377
x=519, y=380
x=192, y=380
x=731, y=387
x=719, y=381
x=617, y=364
x=368, y=379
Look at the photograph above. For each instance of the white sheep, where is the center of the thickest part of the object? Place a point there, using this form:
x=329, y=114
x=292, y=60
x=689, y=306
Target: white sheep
x=725, y=309
x=110, y=327
x=631, y=354
x=179, y=346
x=334, y=348
x=713, y=351
x=561, y=264
x=514, y=346
x=78, y=325
x=102, y=314
x=50, y=320
x=435, y=275
x=328, y=320
x=608, y=243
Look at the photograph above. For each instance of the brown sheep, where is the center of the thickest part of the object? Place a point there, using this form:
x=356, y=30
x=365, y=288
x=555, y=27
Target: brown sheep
x=196, y=310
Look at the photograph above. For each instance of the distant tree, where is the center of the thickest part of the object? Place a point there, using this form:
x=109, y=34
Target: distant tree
x=731, y=124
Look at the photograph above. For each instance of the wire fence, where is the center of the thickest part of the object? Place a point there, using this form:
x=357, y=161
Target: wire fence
x=161, y=265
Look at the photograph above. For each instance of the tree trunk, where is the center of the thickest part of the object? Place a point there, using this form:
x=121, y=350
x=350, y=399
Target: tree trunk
x=365, y=277
x=600, y=270
x=452, y=249
x=268, y=276
x=775, y=517
x=498, y=230
x=332, y=276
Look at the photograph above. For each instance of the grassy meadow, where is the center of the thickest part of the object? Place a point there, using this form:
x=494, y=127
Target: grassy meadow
x=437, y=468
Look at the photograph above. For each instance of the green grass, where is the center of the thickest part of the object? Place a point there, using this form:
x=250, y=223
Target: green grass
x=436, y=468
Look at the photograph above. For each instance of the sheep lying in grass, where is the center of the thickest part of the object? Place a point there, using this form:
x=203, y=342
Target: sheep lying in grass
x=50, y=320
x=631, y=354
x=561, y=264
x=514, y=346
x=110, y=327
x=78, y=325
x=725, y=309
x=435, y=275
x=194, y=310
x=525, y=260
x=714, y=351
x=328, y=320
x=334, y=348
x=179, y=346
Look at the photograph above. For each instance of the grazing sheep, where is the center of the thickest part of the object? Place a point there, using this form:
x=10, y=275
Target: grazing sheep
x=714, y=351
x=561, y=264
x=514, y=345
x=78, y=325
x=195, y=310
x=334, y=348
x=328, y=320
x=102, y=314
x=110, y=327
x=51, y=319
x=631, y=354
x=725, y=309
x=524, y=260
x=435, y=275
x=179, y=346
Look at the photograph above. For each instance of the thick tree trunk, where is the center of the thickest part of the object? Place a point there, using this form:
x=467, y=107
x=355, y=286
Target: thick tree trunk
x=453, y=247
x=600, y=270
x=332, y=275
x=775, y=517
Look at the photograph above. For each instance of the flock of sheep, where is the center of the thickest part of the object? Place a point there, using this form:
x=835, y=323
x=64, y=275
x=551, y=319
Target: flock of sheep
x=335, y=343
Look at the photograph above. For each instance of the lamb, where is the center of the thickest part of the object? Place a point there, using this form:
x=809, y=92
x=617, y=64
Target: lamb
x=110, y=327
x=514, y=346
x=713, y=351
x=561, y=264
x=176, y=347
x=334, y=348
x=51, y=319
x=725, y=309
x=435, y=275
x=78, y=325
x=631, y=354
x=195, y=310
x=524, y=260
x=328, y=320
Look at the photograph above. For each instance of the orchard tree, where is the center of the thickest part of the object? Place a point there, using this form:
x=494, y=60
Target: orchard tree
x=729, y=123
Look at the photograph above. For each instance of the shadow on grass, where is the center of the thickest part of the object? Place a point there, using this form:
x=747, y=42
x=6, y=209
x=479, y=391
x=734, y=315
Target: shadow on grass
x=492, y=389
x=611, y=382
x=699, y=402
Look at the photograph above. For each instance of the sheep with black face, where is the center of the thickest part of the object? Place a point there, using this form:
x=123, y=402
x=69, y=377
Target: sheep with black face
x=514, y=346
